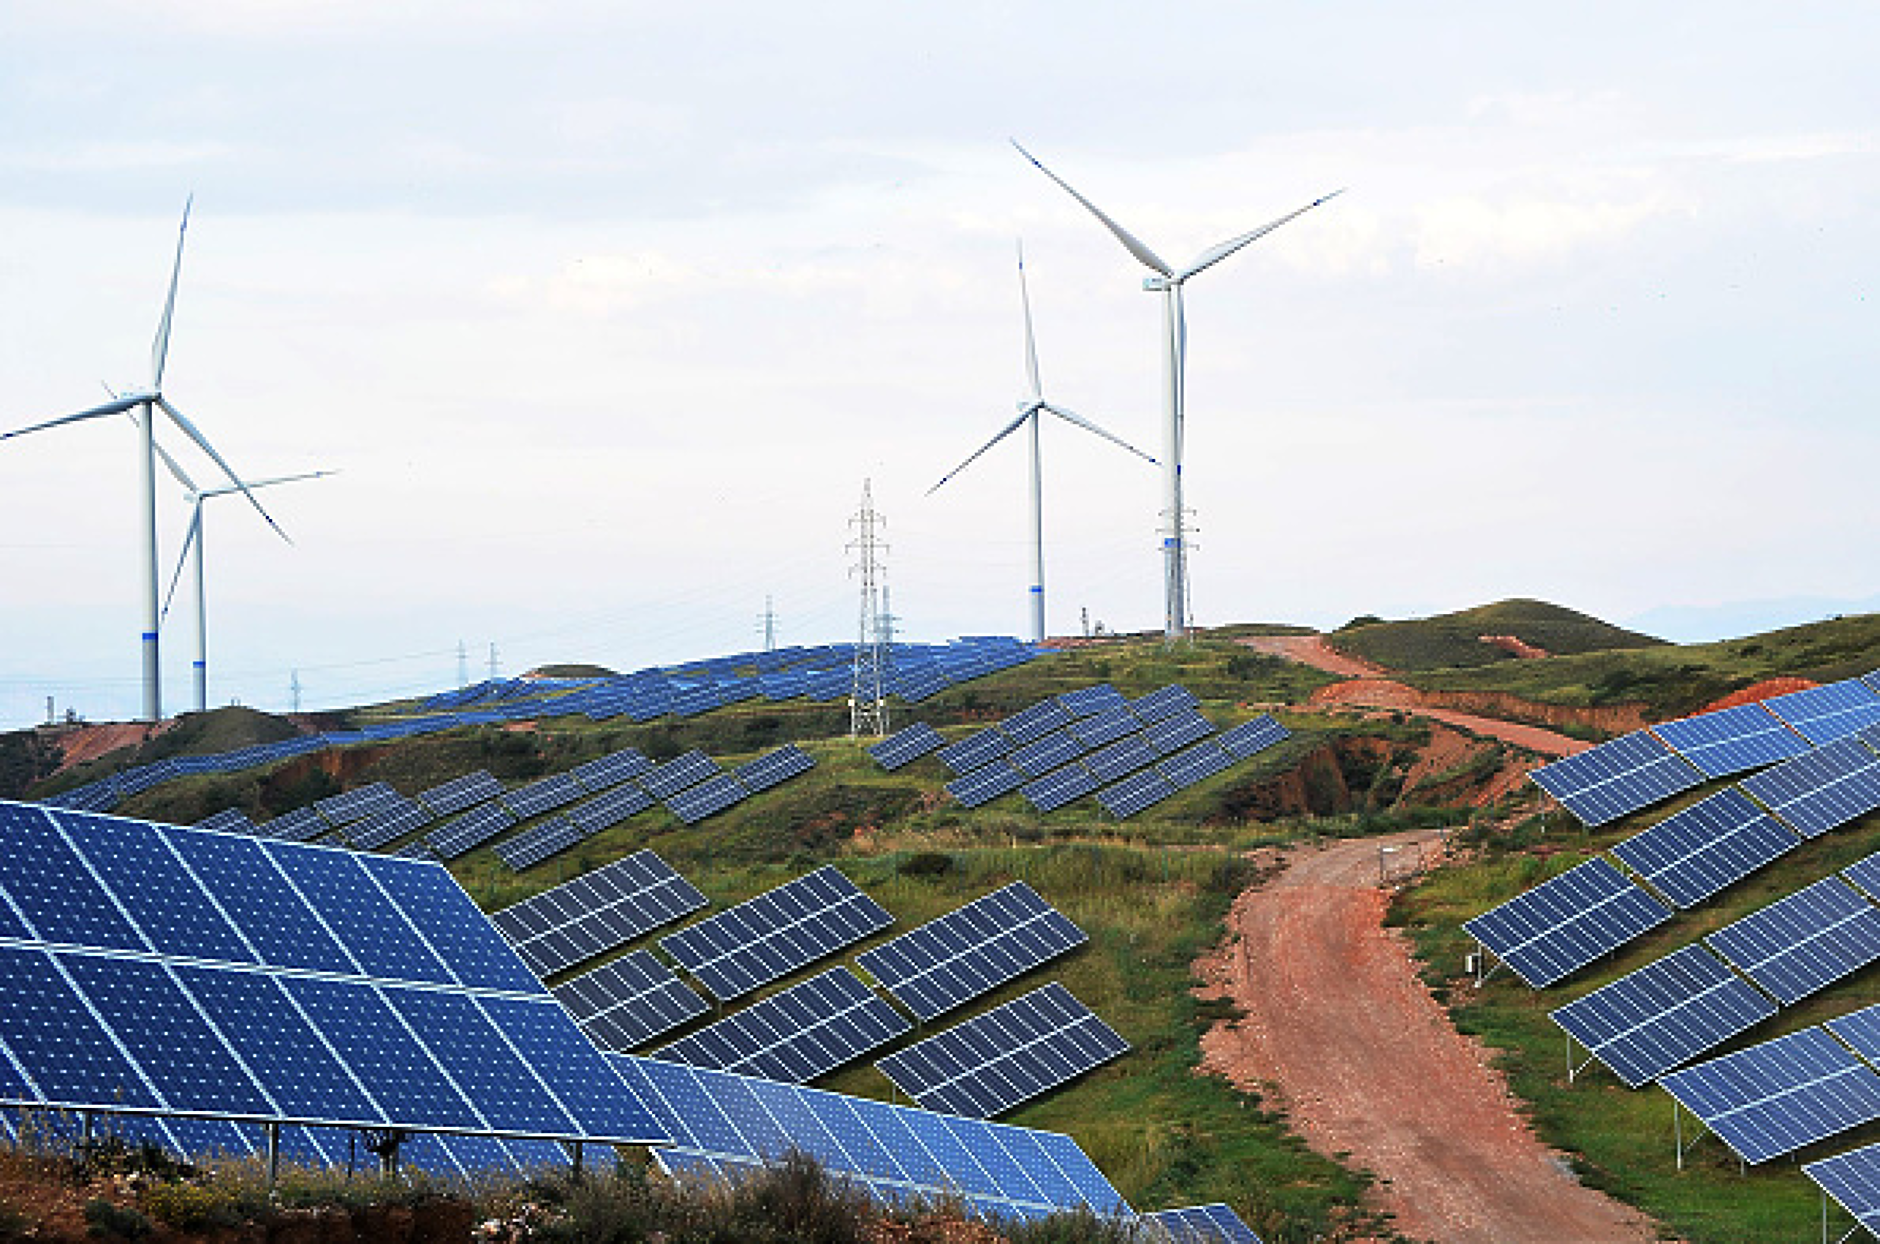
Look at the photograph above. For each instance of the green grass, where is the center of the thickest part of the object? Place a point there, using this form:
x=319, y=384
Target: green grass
x=1453, y=640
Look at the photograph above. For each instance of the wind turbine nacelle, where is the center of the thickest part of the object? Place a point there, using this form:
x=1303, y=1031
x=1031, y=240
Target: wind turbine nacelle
x=1156, y=284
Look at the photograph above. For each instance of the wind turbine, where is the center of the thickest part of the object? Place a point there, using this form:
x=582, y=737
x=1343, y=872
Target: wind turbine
x=146, y=404
x=192, y=557
x=1168, y=282
x=1030, y=407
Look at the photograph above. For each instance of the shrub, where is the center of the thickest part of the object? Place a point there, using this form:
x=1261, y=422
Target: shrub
x=926, y=864
x=190, y=1207
x=103, y=1217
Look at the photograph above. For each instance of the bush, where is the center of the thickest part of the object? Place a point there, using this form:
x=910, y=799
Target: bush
x=190, y=1207
x=926, y=864
x=102, y=1217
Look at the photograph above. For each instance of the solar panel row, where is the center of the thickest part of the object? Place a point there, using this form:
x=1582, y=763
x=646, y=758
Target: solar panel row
x=796, y=1035
x=1777, y=1097
x=1692, y=854
x=1606, y=782
x=775, y=933
x=628, y=1001
x=1566, y=922
x=596, y=912
x=971, y=950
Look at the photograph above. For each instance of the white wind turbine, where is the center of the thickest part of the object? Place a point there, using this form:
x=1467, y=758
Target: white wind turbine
x=1168, y=282
x=143, y=406
x=1030, y=407
x=192, y=558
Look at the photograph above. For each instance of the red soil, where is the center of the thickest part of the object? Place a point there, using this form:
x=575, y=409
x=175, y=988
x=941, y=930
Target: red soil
x=1766, y=689
x=1514, y=644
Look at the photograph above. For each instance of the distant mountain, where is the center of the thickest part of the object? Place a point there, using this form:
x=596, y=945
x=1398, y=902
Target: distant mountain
x=1696, y=624
x=1459, y=640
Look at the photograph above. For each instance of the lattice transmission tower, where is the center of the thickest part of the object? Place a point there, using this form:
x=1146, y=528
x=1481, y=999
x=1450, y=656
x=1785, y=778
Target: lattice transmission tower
x=868, y=694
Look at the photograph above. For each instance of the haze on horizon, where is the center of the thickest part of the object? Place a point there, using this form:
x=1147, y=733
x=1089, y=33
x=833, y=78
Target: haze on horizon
x=606, y=315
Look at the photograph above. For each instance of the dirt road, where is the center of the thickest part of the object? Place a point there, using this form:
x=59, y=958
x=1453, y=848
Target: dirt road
x=1340, y=1031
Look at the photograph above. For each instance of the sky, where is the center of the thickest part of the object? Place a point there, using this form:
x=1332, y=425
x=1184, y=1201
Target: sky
x=605, y=313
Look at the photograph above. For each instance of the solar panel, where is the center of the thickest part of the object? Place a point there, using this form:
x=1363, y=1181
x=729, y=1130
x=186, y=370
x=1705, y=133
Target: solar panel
x=1250, y=738
x=361, y=801
x=596, y=912
x=1804, y=942
x=461, y=792
x=163, y=971
x=1664, y=1014
x=1035, y=722
x=388, y=824
x=1008, y=1055
x=1090, y=701
x=768, y=770
x=228, y=821
x=905, y=746
x=1777, y=1097
x=1203, y=1224
x=539, y=842
x=610, y=770
x=1042, y=755
x=1826, y=713
x=1566, y=922
x=298, y=825
x=557, y=790
x=969, y=951
x=1606, y=782
x=1177, y=730
x=678, y=773
x=1865, y=873
x=1823, y=790
x=795, y=1036
x=708, y=798
x=610, y=807
x=1196, y=764
x=626, y=1002
x=1732, y=740
x=1105, y=727
x=1054, y=790
x=1134, y=793
x=1123, y=756
x=897, y=1153
x=1164, y=702
x=975, y=750
x=1694, y=853
x=1860, y=1029
x=776, y=933
x=471, y=830
x=985, y=784
x=1853, y=1180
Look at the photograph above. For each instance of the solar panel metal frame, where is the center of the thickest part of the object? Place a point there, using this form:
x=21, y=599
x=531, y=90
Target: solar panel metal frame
x=797, y=1035
x=628, y=1001
x=1696, y=852
x=1829, y=712
x=1214, y=1223
x=1732, y=740
x=1777, y=1097
x=767, y=937
x=1664, y=1014
x=906, y=745
x=1554, y=929
x=1130, y=795
x=1617, y=777
x=1853, y=1180
x=596, y=912
x=1821, y=790
x=1804, y=942
x=1000, y=1059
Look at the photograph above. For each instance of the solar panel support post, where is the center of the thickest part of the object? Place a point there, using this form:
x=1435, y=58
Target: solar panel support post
x=273, y=1130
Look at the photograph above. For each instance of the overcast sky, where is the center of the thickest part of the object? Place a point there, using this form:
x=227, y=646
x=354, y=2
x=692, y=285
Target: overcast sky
x=605, y=311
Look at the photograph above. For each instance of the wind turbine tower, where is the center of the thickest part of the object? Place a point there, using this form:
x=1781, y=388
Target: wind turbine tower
x=1168, y=282
x=1030, y=408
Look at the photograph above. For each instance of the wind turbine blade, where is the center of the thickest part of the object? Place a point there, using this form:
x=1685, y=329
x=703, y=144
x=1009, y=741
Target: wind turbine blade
x=176, y=468
x=195, y=529
x=1031, y=345
x=160, y=349
x=1007, y=430
x=202, y=443
x=1143, y=254
x=1070, y=416
x=268, y=483
x=117, y=407
x=1215, y=254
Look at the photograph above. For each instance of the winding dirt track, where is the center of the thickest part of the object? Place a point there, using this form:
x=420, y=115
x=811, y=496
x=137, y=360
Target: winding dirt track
x=1339, y=1030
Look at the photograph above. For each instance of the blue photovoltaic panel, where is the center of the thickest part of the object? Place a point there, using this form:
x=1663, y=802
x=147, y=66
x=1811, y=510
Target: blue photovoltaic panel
x=1664, y=1014
x=228, y=821
x=1164, y=702
x=610, y=807
x=1090, y=701
x=300, y=825
x=387, y=824
x=336, y=886
x=1824, y=714
x=1006, y=1056
x=1054, y=790
x=773, y=767
x=1694, y=853
x=1732, y=740
x=352, y=805
x=1177, y=730
x=461, y=792
x=1861, y=1029
x=985, y=784
x=975, y=750
x=539, y=842
x=1035, y=722
x=1566, y=922
x=1865, y=873
x=708, y=798
x=993, y=939
x=1779, y=1096
x=266, y=908
x=678, y=773
x=903, y=747
x=1203, y=1224
x=1196, y=764
x=774, y=934
x=1106, y=727
x=1804, y=942
x=1853, y=1180
x=154, y=886
x=596, y=912
x=1250, y=738
x=1822, y=790
x=436, y=907
x=471, y=830
x=1042, y=755
x=794, y=1036
x=1134, y=793
x=1606, y=782
x=628, y=1001
x=610, y=770
x=554, y=791
x=1123, y=756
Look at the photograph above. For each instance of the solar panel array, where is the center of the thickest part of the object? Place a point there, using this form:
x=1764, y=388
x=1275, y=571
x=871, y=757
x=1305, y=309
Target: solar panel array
x=1822, y=790
x=540, y=841
x=904, y=747
x=1005, y=1056
x=1853, y=1180
x=723, y=1124
x=357, y=803
x=1694, y=853
x=774, y=934
x=1663, y=1014
x=707, y=798
x=626, y=1002
x=1777, y=1097
x=596, y=912
x=971, y=950
x=471, y=830
x=668, y=779
x=228, y=821
x=168, y=971
x=610, y=770
x=1732, y=740
x=1203, y=1224
x=1834, y=711
x=1606, y=782
x=1804, y=942
x=1566, y=922
x=388, y=823
x=461, y=792
x=796, y=1035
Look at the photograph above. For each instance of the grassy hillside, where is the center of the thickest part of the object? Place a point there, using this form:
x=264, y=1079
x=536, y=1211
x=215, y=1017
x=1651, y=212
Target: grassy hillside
x=1454, y=640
